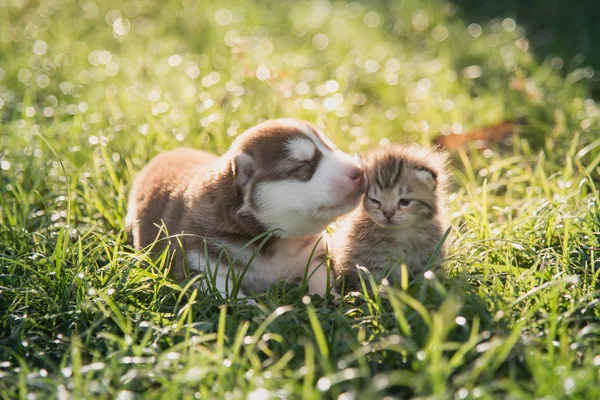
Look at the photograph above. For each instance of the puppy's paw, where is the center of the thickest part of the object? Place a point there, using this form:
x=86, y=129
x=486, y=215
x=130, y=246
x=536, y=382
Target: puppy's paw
x=243, y=299
x=250, y=302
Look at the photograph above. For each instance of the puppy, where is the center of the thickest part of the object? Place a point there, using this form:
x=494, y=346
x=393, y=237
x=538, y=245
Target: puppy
x=282, y=176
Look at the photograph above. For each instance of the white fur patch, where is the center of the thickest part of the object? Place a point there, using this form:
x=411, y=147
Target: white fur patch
x=287, y=263
x=222, y=282
x=322, y=141
x=301, y=149
x=306, y=208
x=319, y=138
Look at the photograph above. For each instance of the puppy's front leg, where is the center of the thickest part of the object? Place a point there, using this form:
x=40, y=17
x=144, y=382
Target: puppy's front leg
x=224, y=284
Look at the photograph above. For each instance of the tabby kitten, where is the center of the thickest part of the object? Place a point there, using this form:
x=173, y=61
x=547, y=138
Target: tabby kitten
x=402, y=217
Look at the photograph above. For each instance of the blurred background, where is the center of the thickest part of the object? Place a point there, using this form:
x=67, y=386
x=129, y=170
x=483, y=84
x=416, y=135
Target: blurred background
x=90, y=90
x=126, y=79
x=568, y=30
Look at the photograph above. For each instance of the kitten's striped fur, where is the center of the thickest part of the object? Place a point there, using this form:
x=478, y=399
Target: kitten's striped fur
x=402, y=217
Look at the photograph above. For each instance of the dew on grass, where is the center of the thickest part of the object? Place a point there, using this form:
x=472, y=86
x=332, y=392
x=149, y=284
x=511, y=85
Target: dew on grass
x=174, y=60
x=125, y=395
x=371, y=19
x=263, y=73
x=121, y=26
x=320, y=41
x=439, y=33
x=420, y=21
x=259, y=394
x=353, y=9
x=412, y=107
x=509, y=24
x=372, y=66
x=569, y=386
x=392, y=65
x=472, y=72
x=112, y=68
x=332, y=86
x=71, y=109
x=40, y=47
x=48, y=112
x=457, y=128
x=462, y=393
x=380, y=382
x=193, y=71
x=24, y=75
x=323, y=384
x=385, y=142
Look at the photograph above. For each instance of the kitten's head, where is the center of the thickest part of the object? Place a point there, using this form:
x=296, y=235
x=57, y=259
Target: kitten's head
x=406, y=186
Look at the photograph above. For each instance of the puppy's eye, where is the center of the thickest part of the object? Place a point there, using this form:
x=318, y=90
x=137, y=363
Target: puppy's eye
x=372, y=200
x=404, y=202
x=302, y=172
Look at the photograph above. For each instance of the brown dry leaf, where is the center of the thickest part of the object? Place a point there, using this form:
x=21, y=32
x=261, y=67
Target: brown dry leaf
x=481, y=137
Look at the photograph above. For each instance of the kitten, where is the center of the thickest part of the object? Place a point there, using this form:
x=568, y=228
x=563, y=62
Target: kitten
x=402, y=218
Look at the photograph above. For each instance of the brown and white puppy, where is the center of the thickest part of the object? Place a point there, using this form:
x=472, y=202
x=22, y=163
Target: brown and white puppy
x=281, y=175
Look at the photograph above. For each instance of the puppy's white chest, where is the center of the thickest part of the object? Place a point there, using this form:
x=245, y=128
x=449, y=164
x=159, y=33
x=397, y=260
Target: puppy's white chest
x=288, y=261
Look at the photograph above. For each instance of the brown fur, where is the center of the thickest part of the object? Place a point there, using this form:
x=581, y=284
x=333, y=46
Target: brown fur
x=169, y=193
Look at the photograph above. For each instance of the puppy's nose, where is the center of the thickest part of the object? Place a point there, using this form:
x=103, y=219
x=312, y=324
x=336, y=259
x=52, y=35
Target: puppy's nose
x=356, y=173
x=359, y=178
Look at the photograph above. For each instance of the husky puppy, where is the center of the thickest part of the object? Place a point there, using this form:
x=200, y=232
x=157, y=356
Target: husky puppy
x=282, y=176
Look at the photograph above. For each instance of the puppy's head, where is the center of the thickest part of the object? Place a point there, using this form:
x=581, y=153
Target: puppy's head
x=292, y=178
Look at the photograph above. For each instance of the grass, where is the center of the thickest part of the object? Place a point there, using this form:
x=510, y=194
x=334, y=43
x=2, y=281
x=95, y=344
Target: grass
x=89, y=92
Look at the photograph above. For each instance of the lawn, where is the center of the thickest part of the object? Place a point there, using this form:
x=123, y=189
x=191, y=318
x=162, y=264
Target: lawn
x=90, y=91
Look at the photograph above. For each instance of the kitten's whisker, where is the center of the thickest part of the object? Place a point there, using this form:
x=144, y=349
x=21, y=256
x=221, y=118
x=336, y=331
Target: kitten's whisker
x=367, y=229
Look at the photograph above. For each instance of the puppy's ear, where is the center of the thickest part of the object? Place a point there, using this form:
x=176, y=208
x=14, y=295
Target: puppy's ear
x=427, y=177
x=243, y=168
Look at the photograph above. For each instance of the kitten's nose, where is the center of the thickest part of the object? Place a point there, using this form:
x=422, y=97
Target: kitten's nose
x=389, y=214
x=357, y=175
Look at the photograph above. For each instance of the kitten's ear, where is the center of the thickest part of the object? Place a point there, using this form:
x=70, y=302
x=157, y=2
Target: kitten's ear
x=242, y=168
x=427, y=177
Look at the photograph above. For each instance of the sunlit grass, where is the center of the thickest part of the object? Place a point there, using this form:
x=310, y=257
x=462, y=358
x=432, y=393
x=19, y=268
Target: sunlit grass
x=89, y=92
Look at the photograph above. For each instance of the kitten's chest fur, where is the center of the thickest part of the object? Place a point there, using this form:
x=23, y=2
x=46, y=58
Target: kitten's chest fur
x=360, y=242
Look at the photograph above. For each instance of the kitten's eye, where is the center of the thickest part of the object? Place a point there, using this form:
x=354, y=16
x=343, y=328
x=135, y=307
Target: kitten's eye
x=404, y=202
x=372, y=200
